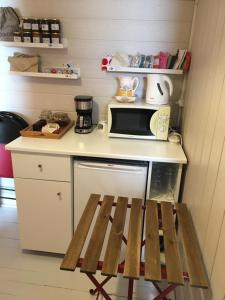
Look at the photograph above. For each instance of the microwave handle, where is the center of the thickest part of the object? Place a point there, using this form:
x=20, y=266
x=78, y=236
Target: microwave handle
x=153, y=123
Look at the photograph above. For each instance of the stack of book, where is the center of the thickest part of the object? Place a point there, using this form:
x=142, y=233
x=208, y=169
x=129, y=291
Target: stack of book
x=180, y=61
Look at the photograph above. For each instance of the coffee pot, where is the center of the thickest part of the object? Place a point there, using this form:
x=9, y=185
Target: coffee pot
x=159, y=89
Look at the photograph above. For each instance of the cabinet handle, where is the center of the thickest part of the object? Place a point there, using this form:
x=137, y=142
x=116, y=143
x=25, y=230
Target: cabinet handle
x=40, y=167
x=59, y=195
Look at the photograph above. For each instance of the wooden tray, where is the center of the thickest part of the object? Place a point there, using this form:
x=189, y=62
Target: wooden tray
x=28, y=132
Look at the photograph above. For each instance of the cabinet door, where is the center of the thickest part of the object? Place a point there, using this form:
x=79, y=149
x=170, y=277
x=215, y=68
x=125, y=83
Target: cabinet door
x=45, y=214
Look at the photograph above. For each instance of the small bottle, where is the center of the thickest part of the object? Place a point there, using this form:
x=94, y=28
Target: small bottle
x=17, y=37
x=27, y=24
x=35, y=25
x=45, y=26
x=46, y=38
x=55, y=38
x=27, y=37
x=36, y=37
x=54, y=25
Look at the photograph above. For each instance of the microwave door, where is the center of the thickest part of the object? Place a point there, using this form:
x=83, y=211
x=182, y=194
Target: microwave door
x=131, y=121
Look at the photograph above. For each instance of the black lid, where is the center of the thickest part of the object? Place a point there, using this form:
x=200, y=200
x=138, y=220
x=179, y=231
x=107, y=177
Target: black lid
x=83, y=98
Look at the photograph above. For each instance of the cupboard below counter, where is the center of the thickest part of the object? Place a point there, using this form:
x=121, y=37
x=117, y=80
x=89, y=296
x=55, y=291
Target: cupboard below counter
x=45, y=176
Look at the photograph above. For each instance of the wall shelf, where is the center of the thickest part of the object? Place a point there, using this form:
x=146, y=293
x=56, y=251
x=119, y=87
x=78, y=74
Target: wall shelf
x=47, y=75
x=63, y=45
x=143, y=70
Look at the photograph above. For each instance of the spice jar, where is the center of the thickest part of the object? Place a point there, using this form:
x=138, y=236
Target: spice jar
x=54, y=25
x=46, y=37
x=27, y=24
x=27, y=37
x=45, y=25
x=17, y=36
x=35, y=25
x=56, y=38
x=36, y=37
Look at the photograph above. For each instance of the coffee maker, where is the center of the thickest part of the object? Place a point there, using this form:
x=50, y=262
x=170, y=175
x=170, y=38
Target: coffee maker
x=83, y=106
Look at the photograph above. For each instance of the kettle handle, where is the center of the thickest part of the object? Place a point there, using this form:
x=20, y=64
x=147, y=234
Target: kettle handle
x=169, y=81
x=135, y=81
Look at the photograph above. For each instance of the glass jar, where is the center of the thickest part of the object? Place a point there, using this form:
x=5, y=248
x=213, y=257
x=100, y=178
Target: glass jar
x=54, y=25
x=27, y=37
x=45, y=25
x=35, y=26
x=36, y=37
x=46, y=38
x=27, y=24
x=55, y=38
x=17, y=37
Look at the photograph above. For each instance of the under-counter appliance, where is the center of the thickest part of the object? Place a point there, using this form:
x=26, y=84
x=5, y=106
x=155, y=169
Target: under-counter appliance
x=107, y=177
x=138, y=120
x=83, y=106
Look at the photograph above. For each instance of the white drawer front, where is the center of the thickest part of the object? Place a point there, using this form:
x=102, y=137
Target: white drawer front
x=27, y=165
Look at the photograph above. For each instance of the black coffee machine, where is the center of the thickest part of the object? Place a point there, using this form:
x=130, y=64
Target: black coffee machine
x=83, y=106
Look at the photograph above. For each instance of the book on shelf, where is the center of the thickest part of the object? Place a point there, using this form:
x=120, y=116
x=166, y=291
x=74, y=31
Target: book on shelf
x=173, y=60
x=181, y=54
x=187, y=62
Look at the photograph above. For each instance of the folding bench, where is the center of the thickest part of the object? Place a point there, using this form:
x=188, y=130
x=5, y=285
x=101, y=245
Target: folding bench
x=169, y=218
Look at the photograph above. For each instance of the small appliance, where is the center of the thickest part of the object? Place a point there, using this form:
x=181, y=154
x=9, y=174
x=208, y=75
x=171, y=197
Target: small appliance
x=157, y=91
x=138, y=120
x=83, y=106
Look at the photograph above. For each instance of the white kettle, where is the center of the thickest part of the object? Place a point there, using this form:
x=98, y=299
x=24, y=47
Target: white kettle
x=157, y=90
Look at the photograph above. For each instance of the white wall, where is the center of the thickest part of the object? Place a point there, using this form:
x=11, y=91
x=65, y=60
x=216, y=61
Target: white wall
x=204, y=136
x=94, y=29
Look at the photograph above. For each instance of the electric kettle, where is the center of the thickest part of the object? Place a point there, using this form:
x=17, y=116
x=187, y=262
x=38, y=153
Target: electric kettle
x=157, y=91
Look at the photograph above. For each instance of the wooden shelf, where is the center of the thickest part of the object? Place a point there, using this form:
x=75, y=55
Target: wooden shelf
x=46, y=75
x=63, y=45
x=143, y=70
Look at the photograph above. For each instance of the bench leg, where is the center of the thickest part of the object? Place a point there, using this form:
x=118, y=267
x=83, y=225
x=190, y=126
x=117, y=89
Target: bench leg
x=130, y=289
x=99, y=287
x=165, y=292
x=158, y=289
x=94, y=291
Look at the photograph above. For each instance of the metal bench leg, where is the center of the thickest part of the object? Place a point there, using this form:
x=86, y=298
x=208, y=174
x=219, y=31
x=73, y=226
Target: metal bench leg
x=99, y=287
x=130, y=289
x=158, y=289
x=93, y=292
x=165, y=292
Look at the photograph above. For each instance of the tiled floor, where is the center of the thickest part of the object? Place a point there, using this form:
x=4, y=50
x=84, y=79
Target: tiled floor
x=28, y=275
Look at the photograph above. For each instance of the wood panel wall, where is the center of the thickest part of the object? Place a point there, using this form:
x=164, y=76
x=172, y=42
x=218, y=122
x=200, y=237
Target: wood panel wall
x=93, y=29
x=204, y=136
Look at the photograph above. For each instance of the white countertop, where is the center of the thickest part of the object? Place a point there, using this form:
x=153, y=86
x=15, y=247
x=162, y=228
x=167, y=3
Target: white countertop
x=97, y=144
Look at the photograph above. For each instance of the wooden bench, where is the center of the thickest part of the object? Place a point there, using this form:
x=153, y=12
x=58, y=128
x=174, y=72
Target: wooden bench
x=176, y=225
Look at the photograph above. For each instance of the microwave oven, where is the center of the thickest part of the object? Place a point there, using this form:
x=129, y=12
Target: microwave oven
x=138, y=120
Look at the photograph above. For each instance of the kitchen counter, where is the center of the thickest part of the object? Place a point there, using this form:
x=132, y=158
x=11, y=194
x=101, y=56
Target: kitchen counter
x=97, y=144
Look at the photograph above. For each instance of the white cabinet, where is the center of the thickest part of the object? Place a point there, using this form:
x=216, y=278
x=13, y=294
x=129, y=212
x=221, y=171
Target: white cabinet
x=44, y=200
x=44, y=211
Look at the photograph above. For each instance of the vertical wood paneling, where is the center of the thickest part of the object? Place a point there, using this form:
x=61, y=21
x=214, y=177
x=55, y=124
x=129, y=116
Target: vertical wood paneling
x=204, y=133
x=94, y=29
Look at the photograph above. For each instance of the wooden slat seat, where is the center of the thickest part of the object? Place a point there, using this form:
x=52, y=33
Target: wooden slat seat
x=93, y=252
x=73, y=253
x=152, y=247
x=133, y=251
x=154, y=216
x=173, y=262
x=195, y=265
x=111, y=260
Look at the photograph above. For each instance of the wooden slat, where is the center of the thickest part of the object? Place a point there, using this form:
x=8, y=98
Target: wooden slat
x=152, y=248
x=195, y=265
x=112, y=254
x=173, y=262
x=77, y=243
x=133, y=250
x=93, y=252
